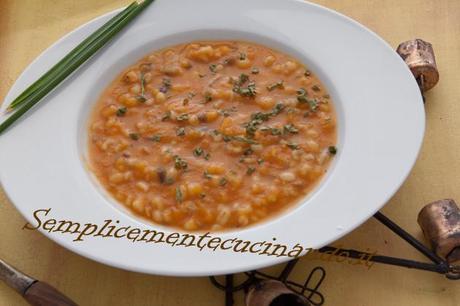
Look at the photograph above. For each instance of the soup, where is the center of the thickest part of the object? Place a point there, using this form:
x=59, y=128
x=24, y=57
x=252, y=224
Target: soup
x=211, y=136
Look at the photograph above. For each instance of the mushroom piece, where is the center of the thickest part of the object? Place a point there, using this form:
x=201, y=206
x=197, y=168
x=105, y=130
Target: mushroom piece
x=273, y=293
x=419, y=56
x=440, y=222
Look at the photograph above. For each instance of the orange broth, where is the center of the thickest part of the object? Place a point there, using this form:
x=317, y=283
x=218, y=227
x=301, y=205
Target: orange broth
x=212, y=135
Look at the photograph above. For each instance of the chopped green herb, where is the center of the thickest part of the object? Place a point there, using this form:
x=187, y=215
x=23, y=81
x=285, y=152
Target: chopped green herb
x=179, y=163
x=302, y=98
x=302, y=95
x=182, y=117
x=293, y=146
x=207, y=175
x=201, y=75
x=155, y=138
x=243, y=79
x=198, y=151
x=121, y=111
x=332, y=150
x=242, y=56
x=213, y=68
x=179, y=195
x=276, y=131
x=166, y=116
x=207, y=97
x=273, y=86
x=255, y=70
x=315, y=88
x=248, y=151
x=207, y=156
x=290, y=128
x=244, y=139
x=222, y=181
x=180, y=131
x=227, y=138
x=250, y=170
x=141, y=99
x=134, y=136
x=307, y=73
x=260, y=161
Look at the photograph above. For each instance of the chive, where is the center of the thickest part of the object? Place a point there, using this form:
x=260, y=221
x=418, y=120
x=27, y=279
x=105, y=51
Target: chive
x=179, y=195
x=260, y=161
x=71, y=55
x=255, y=70
x=293, y=146
x=307, y=73
x=71, y=62
x=142, y=88
x=121, y=111
x=332, y=150
x=242, y=56
x=207, y=156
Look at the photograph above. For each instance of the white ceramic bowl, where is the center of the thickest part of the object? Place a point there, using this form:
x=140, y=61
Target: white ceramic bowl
x=380, y=116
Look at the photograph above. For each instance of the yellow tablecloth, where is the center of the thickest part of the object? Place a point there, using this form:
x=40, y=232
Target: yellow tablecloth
x=27, y=27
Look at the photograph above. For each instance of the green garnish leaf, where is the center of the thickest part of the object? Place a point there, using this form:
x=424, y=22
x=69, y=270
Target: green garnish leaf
x=250, y=170
x=166, y=116
x=213, y=68
x=180, y=131
x=316, y=88
x=293, y=146
x=182, y=117
x=222, y=181
x=121, y=111
x=207, y=97
x=179, y=163
x=290, y=128
x=332, y=150
x=155, y=138
x=255, y=70
x=273, y=86
x=198, y=151
x=207, y=175
x=134, y=136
